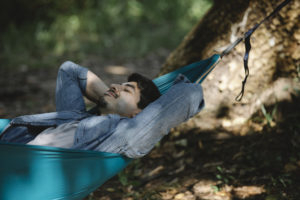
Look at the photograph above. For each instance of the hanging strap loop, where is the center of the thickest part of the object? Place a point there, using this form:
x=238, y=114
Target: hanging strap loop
x=246, y=38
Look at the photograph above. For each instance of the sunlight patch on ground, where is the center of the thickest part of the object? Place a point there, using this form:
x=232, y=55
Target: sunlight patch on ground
x=208, y=190
x=248, y=191
x=234, y=122
x=117, y=70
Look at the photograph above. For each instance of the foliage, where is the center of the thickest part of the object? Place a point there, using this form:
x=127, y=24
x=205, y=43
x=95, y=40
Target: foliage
x=269, y=116
x=41, y=31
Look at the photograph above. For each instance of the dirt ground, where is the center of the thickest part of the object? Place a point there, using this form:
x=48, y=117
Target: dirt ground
x=217, y=165
x=257, y=160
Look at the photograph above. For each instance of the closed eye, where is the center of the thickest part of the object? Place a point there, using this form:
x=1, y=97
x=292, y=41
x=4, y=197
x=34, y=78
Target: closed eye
x=129, y=88
x=126, y=90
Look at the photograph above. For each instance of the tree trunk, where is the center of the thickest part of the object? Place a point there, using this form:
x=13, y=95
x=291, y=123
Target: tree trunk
x=274, y=60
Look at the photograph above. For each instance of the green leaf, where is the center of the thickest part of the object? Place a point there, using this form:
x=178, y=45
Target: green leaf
x=220, y=169
x=215, y=188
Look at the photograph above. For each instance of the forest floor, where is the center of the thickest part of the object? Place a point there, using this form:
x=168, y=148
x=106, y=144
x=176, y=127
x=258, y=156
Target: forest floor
x=190, y=163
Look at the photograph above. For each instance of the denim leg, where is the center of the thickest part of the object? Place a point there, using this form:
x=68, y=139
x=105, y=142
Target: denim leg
x=70, y=87
x=135, y=137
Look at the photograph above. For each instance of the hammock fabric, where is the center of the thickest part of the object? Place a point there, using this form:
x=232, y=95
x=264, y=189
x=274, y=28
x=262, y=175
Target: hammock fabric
x=30, y=172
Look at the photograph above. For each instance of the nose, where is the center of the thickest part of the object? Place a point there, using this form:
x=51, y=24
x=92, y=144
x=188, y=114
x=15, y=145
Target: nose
x=116, y=87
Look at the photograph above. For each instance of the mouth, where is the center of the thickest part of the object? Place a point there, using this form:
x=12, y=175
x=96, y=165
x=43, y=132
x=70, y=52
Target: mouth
x=111, y=93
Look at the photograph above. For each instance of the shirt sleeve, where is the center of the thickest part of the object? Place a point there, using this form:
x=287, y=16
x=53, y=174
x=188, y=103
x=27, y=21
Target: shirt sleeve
x=140, y=134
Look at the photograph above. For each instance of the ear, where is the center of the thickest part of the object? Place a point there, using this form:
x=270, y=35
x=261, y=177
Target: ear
x=135, y=112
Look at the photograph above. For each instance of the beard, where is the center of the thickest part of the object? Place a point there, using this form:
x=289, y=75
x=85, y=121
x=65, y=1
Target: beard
x=102, y=103
x=103, y=107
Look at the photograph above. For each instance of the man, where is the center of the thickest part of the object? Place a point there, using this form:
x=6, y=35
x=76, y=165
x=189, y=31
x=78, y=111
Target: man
x=136, y=116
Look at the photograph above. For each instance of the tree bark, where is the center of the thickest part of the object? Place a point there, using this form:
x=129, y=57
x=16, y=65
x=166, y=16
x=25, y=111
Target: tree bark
x=274, y=60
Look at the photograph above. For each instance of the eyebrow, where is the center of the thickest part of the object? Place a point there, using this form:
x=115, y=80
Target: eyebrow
x=129, y=85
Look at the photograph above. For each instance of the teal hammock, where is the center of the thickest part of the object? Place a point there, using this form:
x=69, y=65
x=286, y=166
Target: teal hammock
x=31, y=172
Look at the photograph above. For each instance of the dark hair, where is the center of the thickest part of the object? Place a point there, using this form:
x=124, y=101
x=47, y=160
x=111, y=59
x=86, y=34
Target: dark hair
x=149, y=91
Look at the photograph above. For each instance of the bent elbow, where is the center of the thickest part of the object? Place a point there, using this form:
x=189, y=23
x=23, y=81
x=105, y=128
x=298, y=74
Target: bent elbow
x=66, y=66
x=193, y=93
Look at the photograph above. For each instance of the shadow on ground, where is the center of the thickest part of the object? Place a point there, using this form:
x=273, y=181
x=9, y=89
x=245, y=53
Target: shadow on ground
x=208, y=165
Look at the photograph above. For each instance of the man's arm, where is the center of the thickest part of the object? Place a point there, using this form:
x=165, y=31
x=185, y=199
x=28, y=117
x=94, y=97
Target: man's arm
x=95, y=87
x=74, y=82
x=135, y=137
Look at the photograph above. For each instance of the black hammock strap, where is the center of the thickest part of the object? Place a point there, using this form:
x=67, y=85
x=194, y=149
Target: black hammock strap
x=246, y=38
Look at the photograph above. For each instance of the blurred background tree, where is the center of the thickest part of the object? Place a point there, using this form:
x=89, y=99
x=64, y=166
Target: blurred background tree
x=40, y=32
x=111, y=37
x=274, y=61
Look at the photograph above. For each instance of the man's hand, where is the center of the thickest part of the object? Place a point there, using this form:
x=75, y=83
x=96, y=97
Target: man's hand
x=95, y=87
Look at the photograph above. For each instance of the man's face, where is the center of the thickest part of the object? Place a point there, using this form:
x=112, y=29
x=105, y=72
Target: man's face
x=123, y=98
